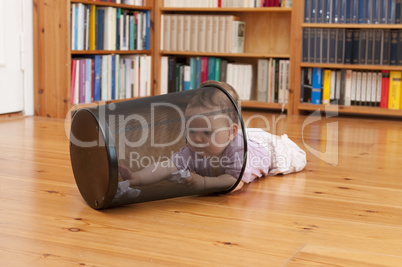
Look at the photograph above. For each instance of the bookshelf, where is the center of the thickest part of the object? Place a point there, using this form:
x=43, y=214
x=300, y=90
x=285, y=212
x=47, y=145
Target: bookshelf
x=302, y=108
x=268, y=35
x=53, y=54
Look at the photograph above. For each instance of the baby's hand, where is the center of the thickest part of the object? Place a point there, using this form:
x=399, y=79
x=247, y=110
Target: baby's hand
x=125, y=173
x=195, y=181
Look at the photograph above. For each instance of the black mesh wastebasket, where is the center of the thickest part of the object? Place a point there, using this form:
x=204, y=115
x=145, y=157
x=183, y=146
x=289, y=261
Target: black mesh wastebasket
x=159, y=147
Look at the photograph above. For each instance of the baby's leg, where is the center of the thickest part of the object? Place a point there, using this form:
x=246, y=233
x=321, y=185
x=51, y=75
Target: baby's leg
x=286, y=156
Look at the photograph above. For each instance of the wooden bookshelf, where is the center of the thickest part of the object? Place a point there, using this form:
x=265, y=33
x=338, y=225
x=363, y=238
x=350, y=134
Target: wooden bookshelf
x=53, y=54
x=268, y=35
x=300, y=108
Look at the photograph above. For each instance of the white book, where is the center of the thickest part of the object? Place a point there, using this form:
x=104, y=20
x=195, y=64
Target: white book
x=332, y=87
x=269, y=80
x=86, y=40
x=338, y=85
x=354, y=84
x=348, y=88
x=121, y=29
x=209, y=26
x=88, y=82
x=369, y=87
x=109, y=77
x=140, y=22
x=80, y=27
x=162, y=40
x=215, y=34
x=379, y=86
x=238, y=34
x=107, y=30
x=222, y=34
x=187, y=33
x=358, y=87
x=143, y=76
x=122, y=92
x=194, y=33
x=373, y=88
x=180, y=32
x=262, y=80
x=173, y=32
x=113, y=29
x=136, y=80
x=72, y=29
x=229, y=33
x=148, y=78
x=363, y=88
x=128, y=76
x=166, y=33
x=104, y=78
x=164, y=75
x=202, y=33
x=249, y=80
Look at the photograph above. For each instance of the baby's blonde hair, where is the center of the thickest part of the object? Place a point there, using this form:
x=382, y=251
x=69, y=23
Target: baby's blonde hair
x=215, y=98
x=225, y=86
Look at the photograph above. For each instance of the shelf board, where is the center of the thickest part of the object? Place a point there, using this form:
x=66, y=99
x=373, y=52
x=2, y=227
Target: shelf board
x=351, y=66
x=224, y=9
x=107, y=52
x=352, y=26
x=97, y=3
x=247, y=55
x=263, y=105
x=352, y=109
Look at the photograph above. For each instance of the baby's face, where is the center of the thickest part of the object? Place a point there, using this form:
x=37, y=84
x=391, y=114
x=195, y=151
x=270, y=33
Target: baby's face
x=209, y=135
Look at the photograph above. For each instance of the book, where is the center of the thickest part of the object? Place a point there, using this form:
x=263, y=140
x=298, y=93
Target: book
x=332, y=90
x=353, y=89
x=386, y=42
x=326, y=87
x=316, y=86
x=394, y=94
x=73, y=78
x=358, y=87
x=186, y=78
x=262, y=80
x=239, y=29
x=393, y=60
x=97, y=74
x=348, y=88
x=369, y=49
x=379, y=89
x=348, y=46
x=384, y=88
x=307, y=86
x=305, y=45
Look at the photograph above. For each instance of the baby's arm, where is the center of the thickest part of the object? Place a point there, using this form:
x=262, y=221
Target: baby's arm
x=149, y=175
x=203, y=182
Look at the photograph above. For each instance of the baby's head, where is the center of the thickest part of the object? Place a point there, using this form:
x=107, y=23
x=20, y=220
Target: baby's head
x=212, y=119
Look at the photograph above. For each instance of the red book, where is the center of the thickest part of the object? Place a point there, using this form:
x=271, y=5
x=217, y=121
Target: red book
x=384, y=89
x=204, y=69
x=73, y=70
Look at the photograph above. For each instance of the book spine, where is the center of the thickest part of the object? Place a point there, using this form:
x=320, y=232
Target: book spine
x=348, y=88
x=384, y=88
x=326, y=87
x=305, y=45
x=394, y=97
x=348, y=46
x=340, y=45
x=394, y=48
x=316, y=86
x=370, y=45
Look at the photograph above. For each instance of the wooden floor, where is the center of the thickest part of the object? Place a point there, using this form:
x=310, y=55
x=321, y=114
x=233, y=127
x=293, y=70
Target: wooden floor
x=344, y=209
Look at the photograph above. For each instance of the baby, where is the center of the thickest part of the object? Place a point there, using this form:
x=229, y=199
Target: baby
x=214, y=154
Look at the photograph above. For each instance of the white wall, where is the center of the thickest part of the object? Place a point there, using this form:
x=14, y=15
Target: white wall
x=28, y=58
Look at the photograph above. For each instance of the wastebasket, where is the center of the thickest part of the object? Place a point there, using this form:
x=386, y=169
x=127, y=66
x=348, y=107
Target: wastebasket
x=185, y=143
